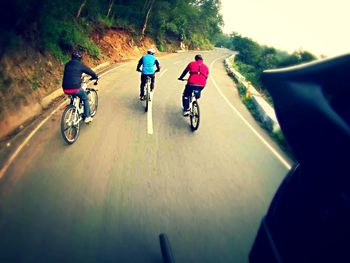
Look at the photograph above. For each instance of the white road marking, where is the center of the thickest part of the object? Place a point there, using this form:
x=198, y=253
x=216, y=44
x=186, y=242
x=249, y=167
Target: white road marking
x=162, y=73
x=277, y=155
x=26, y=140
x=123, y=65
x=149, y=115
x=150, y=108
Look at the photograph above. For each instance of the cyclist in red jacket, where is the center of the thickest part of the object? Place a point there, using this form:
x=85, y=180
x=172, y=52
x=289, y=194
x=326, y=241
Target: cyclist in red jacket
x=198, y=78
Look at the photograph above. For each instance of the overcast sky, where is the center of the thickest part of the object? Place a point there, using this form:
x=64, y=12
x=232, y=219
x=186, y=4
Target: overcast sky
x=318, y=26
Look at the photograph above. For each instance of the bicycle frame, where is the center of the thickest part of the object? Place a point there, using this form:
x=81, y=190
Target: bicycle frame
x=75, y=101
x=147, y=92
x=78, y=104
x=148, y=86
x=193, y=98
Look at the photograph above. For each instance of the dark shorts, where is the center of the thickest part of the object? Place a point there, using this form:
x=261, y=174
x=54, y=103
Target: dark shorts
x=190, y=88
x=143, y=82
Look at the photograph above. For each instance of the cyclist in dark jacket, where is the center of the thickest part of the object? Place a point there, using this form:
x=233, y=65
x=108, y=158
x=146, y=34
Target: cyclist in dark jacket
x=147, y=62
x=72, y=81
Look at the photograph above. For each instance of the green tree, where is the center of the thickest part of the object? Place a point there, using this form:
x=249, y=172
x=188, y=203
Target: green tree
x=296, y=58
x=248, y=50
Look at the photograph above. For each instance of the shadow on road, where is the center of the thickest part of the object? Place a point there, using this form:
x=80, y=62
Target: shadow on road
x=177, y=121
x=135, y=105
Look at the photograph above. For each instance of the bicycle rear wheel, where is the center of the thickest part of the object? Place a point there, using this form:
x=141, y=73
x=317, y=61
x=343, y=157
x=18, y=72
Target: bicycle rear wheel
x=147, y=96
x=93, y=101
x=69, y=131
x=195, y=116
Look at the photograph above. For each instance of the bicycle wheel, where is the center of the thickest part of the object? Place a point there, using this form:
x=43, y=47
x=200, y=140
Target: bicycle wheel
x=93, y=101
x=147, y=96
x=69, y=131
x=195, y=116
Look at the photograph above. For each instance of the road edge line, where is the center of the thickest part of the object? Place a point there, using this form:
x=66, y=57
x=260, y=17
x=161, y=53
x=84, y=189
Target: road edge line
x=274, y=152
x=26, y=140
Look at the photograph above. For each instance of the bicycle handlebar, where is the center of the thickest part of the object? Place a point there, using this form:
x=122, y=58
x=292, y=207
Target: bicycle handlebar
x=156, y=71
x=96, y=80
x=166, y=249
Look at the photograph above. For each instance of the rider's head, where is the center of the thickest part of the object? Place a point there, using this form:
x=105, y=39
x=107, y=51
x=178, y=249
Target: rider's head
x=76, y=54
x=198, y=57
x=151, y=51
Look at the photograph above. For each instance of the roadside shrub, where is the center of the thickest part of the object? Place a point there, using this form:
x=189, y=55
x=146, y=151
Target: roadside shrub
x=57, y=52
x=5, y=82
x=9, y=41
x=106, y=21
x=198, y=41
x=248, y=71
x=60, y=37
x=241, y=89
x=35, y=80
x=279, y=137
x=161, y=47
x=281, y=140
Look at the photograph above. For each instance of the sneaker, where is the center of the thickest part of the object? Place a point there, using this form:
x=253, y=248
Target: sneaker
x=88, y=119
x=186, y=113
x=142, y=98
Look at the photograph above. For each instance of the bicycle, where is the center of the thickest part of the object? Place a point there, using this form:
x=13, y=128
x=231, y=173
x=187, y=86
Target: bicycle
x=73, y=113
x=194, y=109
x=147, y=92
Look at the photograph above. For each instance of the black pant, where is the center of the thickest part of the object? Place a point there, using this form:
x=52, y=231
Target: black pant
x=187, y=94
x=143, y=83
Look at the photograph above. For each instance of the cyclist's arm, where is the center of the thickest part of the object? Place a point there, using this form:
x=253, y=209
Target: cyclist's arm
x=207, y=75
x=157, y=65
x=89, y=71
x=184, y=73
x=138, y=68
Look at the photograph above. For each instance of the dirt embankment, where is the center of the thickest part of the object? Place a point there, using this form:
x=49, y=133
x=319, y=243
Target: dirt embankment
x=27, y=76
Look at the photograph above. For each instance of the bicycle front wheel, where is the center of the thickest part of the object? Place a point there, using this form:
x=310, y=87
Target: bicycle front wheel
x=195, y=116
x=93, y=101
x=69, y=130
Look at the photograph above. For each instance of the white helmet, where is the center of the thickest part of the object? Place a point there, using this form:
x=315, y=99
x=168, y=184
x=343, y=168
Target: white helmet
x=151, y=51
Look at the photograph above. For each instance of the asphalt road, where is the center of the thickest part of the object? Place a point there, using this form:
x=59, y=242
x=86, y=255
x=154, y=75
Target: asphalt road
x=108, y=196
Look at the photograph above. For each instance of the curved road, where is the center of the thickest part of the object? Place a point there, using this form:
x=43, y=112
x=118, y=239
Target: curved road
x=108, y=196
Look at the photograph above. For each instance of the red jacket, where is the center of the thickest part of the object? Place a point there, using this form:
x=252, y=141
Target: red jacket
x=198, y=73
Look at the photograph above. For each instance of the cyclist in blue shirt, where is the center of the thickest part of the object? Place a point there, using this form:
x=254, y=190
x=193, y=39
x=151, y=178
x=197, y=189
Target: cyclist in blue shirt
x=147, y=62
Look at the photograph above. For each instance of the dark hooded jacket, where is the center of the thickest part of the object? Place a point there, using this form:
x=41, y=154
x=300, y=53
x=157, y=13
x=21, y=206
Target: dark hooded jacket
x=72, y=74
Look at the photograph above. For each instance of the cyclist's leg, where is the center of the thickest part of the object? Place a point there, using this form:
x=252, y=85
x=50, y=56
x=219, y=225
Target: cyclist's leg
x=152, y=81
x=83, y=96
x=142, y=85
x=198, y=90
x=186, y=96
